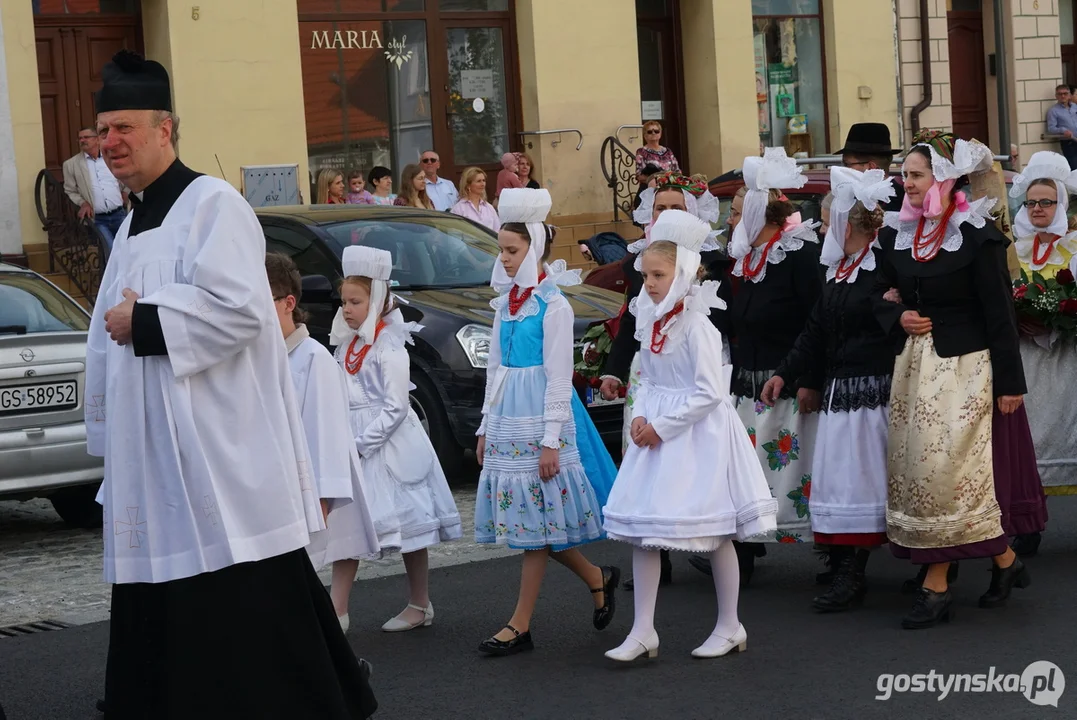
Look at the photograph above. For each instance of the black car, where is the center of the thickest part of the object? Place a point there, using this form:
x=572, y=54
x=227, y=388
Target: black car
x=441, y=271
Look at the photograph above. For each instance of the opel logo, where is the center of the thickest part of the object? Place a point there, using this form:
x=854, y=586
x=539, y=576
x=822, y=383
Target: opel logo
x=31, y=372
x=27, y=355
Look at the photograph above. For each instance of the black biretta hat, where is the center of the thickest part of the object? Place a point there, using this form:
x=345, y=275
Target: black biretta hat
x=133, y=83
x=868, y=139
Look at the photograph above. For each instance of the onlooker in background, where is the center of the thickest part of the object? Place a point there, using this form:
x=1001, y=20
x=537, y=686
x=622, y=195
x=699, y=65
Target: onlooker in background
x=472, y=204
x=867, y=147
x=525, y=170
x=330, y=187
x=652, y=153
x=357, y=192
x=441, y=192
x=89, y=184
x=413, y=189
x=1062, y=120
x=381, y=180
x=507, y=178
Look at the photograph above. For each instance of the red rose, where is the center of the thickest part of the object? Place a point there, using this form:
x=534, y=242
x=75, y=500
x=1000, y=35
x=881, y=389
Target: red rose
x=596, y=382
x=1064, y=277
x=622, y=392
x=806, y=490
x=590, y=355
x=1019, y=293
x=785, y=443
x=752, y=436
x=1068, y=306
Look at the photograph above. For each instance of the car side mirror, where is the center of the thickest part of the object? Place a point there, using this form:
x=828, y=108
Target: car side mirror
x=317, y=289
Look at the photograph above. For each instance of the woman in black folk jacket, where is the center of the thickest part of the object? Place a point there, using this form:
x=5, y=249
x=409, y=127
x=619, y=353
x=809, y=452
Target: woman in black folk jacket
x=960, y=367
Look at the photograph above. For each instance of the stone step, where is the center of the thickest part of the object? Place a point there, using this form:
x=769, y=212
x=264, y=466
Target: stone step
x=37, y=257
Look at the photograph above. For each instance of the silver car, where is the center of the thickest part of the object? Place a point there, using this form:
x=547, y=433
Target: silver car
x=42, y=378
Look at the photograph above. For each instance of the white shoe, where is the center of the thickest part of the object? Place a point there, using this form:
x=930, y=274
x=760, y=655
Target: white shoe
x=345, y=623
x=717, y=646
x=632, y=648
x=398, y=625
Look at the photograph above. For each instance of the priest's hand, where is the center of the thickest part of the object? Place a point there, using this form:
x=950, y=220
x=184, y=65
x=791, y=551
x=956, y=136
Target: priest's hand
x=915, y=324
x=1008, y=404
x=809, y=401
x=480, y=449
x=771, y=391
x=118, y=319
x=549, y=463
x=609, y=388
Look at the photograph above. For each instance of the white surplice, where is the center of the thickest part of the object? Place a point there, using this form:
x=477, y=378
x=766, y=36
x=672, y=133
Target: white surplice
x=322, y=394
x=206, y=463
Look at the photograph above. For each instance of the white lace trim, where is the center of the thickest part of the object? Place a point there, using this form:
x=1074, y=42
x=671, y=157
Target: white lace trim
x=557, y=276
x=977, y=215
x=701, y=299
x=709, y=245
x=790, y=241
x=1024, y=248
x=868, y=263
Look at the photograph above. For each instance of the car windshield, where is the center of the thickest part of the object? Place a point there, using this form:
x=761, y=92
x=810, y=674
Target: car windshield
x=428, y=252
x=29, y=304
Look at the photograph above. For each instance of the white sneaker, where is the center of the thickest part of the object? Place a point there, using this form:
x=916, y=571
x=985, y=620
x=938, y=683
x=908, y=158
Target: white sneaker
x=632, y=648
x=717, y=646
x=398, y=624
x=345, y=623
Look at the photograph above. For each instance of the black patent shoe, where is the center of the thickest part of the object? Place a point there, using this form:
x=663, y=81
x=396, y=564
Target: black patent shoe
x=1004, y=580
x=1026, y=545
x=911, y=585
x=501, y=648
x=611, y=576
x=847, y=591
x=702, y=564
x=929, y=608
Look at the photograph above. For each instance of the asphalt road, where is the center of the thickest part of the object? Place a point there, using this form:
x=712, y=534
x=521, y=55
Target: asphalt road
x=798, y=664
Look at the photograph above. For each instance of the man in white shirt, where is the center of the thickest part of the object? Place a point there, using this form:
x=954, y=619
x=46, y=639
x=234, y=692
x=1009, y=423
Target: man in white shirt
x=208, y=496
x=91, y=186
x=440, y=191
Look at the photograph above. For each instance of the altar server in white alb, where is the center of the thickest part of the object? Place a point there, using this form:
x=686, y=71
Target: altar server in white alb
x=399, y=464
x=208, y=497
x=322, y=394
x=690, y=480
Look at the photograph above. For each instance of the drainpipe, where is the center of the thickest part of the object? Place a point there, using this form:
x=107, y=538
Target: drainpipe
x=925, y=65
x=1003, y=85
x=897, y=71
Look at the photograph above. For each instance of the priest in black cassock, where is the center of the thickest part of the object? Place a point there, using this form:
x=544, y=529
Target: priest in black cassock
x=208, y=500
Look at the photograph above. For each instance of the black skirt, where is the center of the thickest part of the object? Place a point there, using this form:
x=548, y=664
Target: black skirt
x=254, y=640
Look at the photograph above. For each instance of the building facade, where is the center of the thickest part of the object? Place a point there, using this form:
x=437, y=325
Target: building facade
x=353, y=84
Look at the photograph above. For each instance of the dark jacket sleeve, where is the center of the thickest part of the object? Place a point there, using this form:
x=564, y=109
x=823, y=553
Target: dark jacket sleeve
x=625, y=346
x=720, y=318
x=806, y=361
x=993, y=285
x=887, y=313
x=147, y=337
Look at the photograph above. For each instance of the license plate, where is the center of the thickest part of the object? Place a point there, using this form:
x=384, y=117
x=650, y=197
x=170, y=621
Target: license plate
x=42, y=396
x=594, y=398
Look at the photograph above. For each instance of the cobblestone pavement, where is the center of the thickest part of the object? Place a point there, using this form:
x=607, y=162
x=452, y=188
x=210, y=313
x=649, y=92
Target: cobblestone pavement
x=51, y=572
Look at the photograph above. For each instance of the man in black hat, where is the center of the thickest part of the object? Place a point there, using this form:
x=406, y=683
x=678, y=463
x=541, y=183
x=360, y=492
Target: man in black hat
x=867, y=147
x=208, y=500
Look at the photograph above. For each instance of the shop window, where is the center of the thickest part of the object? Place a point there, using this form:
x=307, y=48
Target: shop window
x=1065, y=21
x=473, y=5
x=313, y=7
x=85, y=7
x=789, y=76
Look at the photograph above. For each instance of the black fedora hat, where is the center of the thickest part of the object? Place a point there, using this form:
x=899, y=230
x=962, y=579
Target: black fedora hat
x=868, y=139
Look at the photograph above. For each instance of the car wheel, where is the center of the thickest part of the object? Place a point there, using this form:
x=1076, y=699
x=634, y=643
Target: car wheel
x=77, y=506
x=428, y=407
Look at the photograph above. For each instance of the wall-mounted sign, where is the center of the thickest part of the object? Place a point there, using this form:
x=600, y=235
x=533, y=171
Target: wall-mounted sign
x=398, y=52
x=270, y=185
x=476, y=83
x=651, y=110
x=345, y=40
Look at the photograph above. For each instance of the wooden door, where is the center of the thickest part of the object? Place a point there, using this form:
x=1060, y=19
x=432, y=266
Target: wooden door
x=661, y=79
x=968, y=78
x=70, y=58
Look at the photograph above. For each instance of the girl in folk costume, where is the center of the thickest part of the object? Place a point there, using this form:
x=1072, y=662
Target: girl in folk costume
x=690, y=481
x=843, y=343
x=545, y=472
x=671, y=191
x=957, y=381
x=398, y=462
x=322, y=394
x=1046, y=246
x=777, y=260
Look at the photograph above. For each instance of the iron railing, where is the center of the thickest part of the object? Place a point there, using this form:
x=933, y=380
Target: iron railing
x=619, y=168
x=75, y=246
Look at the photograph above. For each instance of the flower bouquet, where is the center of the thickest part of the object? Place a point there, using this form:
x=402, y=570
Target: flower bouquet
x=1050, y=302
x=591, y=355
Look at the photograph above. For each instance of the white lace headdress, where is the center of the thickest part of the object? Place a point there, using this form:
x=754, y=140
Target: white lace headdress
x=523, y=205
x=368, y=262
x=850, y=186
x=1045, y=165
x=774, y=171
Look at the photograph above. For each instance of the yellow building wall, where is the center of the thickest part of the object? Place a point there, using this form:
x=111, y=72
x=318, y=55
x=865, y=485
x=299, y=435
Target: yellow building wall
x=579, y=68
x=860, y=52
x=719, y=84
x=20, y=51
x=236, y=82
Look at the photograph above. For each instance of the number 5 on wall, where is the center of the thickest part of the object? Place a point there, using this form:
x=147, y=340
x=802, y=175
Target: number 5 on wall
x=195, y=12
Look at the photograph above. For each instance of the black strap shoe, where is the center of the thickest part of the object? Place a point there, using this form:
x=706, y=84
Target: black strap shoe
x=912, y=585
x=929, y=609
x=611, y=577
x=501, y=648
x=1003, y=581
x=848, y=588
x=1026, y=545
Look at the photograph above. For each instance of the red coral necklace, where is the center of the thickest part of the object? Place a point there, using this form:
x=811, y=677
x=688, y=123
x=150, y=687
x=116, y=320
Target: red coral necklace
x=518, y=298
x=925, y=249
x=1042, y=260
x=353, y=359
x=842, y=272
x=749, y=271
x=658, y=340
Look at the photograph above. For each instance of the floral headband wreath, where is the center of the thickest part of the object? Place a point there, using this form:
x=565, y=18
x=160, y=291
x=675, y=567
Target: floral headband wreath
x=698, y=199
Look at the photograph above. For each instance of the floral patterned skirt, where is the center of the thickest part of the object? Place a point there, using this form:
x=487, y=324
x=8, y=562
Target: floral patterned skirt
x=784, y=442
x=941, y=479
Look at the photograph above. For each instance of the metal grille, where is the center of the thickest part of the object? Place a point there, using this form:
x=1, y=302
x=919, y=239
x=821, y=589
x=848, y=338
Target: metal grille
x=32, y=628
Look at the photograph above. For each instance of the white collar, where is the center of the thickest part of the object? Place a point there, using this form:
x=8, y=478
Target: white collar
x=791, y=240
x=557, y=276
x=977, y=215
x=1025, y=245
x=868, y=263
x=701, y=298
